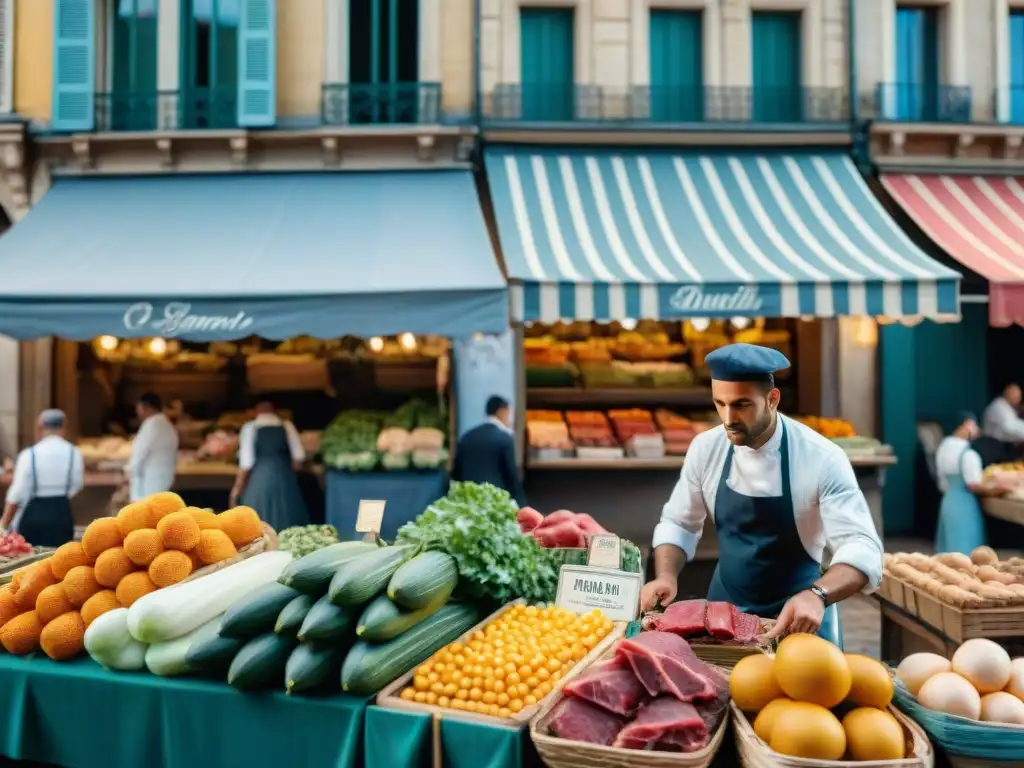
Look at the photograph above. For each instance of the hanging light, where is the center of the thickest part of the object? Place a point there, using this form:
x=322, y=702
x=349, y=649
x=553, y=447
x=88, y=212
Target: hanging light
x=909, y=321
x=376, y=344
x=700, y=324
x=109, y=343
x=407, y=341
x=627, y=323
x=883, y=320
x=807, y=318
x=157, y=347
x=739, y=323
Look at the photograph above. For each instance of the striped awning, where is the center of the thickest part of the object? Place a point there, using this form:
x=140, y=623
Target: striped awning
x=606, y=235
x=977, y=220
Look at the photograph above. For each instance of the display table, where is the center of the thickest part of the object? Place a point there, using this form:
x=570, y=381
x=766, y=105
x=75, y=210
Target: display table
x=407, y=494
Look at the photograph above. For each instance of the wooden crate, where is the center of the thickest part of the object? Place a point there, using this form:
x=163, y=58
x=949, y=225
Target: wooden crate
x=961, y=624
x=390, y=698
x=1010, y=510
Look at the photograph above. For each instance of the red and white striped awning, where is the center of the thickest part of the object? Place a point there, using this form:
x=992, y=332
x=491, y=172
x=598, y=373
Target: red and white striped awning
x=977, y=220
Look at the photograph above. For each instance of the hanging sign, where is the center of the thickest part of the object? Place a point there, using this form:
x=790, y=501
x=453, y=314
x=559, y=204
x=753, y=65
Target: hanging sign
x=582, y=588
x=605, y=551
x=370, y=516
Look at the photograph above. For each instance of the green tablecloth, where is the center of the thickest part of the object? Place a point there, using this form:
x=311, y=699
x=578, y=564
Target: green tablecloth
x=78, y=715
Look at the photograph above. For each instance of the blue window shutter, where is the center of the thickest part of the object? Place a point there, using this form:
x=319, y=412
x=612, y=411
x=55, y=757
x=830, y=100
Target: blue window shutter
x=677, y=66
x=257, y=65
x=548, y=68
x=74, y=65
x=777, y=69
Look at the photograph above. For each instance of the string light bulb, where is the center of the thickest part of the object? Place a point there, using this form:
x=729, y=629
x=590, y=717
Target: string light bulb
x=158, y=346
x=739, y=323
x=376, y=344
x=407, y=341
x=700, y=324
x=109, y=343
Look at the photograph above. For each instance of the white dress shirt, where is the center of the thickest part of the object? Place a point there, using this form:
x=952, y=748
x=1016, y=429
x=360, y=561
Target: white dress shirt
x=154, y=461
x=947, y=462
x=1002, y=422
x=247, y=439
x=828, y=505
x=54, y=455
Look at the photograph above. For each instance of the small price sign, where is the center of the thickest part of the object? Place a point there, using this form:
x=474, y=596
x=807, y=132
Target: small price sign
x=582, y=588
x=370, y=516
x=605, y=551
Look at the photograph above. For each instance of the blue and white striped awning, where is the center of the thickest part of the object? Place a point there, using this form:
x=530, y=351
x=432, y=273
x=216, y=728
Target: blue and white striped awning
x=609, y=235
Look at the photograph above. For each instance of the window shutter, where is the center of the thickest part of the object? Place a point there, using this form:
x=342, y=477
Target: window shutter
x=257, y=66
x=6, y=56
x=74, y=65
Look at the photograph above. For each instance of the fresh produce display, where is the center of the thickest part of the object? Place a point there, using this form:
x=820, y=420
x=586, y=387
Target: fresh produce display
x=510, y=664
x=569, y=534
x=414, y=435
x=678, y=431
x=546, y=429
x=651, y=693
x=476, y=524
x=300, y=540
x=13, y=546
x=590, y=429
x=707, y=622
x=799, y=695
x=978, y=581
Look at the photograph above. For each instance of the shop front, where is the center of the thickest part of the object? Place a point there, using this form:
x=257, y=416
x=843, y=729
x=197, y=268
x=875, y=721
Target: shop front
x=333, y=295
x=627, y=267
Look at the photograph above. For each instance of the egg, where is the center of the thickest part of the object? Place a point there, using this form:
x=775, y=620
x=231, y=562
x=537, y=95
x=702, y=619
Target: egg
x=915, y=670
x=1002, y=707
x=948, y=692
x=984, y=663
x=1016, y=683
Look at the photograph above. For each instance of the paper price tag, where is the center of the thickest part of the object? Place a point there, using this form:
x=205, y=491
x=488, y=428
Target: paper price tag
x=370, y=516
x=605, y=551
x=582, y=588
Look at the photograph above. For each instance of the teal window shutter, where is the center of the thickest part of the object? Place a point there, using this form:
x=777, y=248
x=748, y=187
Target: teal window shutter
x=547, y=54
x=74, y=65
x=777, y=69
x=257, y=67
x=677, y=66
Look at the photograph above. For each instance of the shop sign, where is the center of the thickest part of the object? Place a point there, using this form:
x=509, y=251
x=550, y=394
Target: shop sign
x=696, y=299
x=178, y=319
x=582, y=588
x=370, y=516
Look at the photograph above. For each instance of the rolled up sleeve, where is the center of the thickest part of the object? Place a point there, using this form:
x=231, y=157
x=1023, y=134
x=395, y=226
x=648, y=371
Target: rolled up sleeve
x=21, y=480
x=247, y=446
x=846, y=520
x=682, y=517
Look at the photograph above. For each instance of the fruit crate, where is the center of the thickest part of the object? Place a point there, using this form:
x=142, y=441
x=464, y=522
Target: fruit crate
x=390, y=697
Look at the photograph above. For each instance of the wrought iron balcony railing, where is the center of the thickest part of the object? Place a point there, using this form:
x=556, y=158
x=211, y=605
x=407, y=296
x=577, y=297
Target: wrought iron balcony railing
x=923, y=103
x=380, y=103
x=190, y=109
x=643, y=106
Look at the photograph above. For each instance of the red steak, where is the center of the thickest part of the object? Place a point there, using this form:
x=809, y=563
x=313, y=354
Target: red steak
x=718, y=620
x=685, y=618
x=610, y=685
x=665, y=663
x=578, y=720
x=665, y=724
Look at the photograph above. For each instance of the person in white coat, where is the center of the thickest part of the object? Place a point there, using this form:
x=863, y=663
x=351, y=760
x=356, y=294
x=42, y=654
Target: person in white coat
x=154, y=459
x=1002, y=422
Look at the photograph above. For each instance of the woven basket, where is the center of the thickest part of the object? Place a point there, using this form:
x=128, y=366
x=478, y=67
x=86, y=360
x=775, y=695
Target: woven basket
x=266, y=543
x=728, y=655
x=754, y=753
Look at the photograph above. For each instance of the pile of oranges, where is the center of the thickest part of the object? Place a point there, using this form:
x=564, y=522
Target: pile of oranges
x=512, y=663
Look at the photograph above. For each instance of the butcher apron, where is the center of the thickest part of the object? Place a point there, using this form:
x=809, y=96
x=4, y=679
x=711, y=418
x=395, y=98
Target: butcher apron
x=47, y=521
x=761, y=560
x=961, y=525
x=272, y=488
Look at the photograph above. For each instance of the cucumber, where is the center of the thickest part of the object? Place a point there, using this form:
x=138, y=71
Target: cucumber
x=371, y=666
x=383, y=620
x=213, y=655
x=292, y=615
x=326, y=622
x=256, y=613
x=424, y=580
x=312, y=574
x=357, y=580
x=260, y=662
x=312, y=666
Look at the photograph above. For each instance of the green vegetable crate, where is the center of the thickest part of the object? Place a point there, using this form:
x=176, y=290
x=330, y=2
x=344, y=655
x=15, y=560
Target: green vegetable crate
x=630, y=557
x=390, y=696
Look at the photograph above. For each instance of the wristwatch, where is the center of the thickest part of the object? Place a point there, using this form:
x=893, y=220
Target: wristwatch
x=820, y=592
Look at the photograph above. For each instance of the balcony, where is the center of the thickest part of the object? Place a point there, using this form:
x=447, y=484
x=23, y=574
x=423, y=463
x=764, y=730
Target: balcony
x=380, y=104
x=193, y=109
x=917, y=103
x=645, y=107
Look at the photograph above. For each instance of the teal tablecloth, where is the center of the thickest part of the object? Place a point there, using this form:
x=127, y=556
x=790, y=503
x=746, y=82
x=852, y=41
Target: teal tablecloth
x=407, y=495
x=78, y=715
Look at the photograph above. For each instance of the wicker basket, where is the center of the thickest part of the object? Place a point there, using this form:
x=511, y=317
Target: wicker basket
x=754, y=753
x=729, y=655
x=266, y=543
x=562, y=753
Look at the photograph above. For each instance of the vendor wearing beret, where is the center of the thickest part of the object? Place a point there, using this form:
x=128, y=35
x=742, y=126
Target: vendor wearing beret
x=779, y=494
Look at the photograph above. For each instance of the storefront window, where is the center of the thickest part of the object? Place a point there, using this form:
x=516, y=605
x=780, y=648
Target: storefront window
x=209, y=63
x=384, y=61
x=133, y=63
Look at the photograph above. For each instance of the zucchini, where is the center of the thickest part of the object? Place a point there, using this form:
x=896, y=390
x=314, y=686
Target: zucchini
x=292, y=615
x=260, y=662
x=371, y=666
x=312, y=574
x=357, y=580
x=326, y=622
x=383, y=620
x=312, y=666
x=256, y=613
x=213, y=655
x=424, y=580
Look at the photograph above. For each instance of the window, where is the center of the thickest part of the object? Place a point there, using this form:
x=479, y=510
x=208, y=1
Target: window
x=776, y=67
x=131, y=103
x=384, y=61
x=1017, y=66
x=677, y=66
x=916, y=89
x=548, y=68
x=209, y=64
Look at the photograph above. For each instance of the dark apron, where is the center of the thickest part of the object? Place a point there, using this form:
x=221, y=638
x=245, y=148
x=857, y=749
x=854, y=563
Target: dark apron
x=47, y=521
x=761, y=560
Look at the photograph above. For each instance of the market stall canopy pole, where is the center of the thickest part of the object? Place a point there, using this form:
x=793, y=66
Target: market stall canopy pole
x=605, y=235
x=218, y=258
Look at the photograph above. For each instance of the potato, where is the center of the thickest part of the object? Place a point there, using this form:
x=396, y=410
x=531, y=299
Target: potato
x=947, y=575
x=956, y=597
x=920, y=561
x=955, y=560
x=987, y=572
x=984, y=556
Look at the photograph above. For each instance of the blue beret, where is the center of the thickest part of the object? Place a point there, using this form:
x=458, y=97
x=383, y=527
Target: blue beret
x=745, y=362
x=958, y=419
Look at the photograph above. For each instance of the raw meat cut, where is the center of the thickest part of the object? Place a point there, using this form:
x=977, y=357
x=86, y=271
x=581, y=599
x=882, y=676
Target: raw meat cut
x=718, y=620
x=555, y=518
x=747, y=626
x=562, y=535
x=610, y=685
x=665, y=724
x=579, y=720
x=528, y=519
x=589, y=525
x=685, y=618
x=713, y=710
x=665, y=663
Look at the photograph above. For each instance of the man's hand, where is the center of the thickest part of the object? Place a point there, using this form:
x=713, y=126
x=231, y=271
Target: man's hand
x=661, y=590
x=803, y=612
